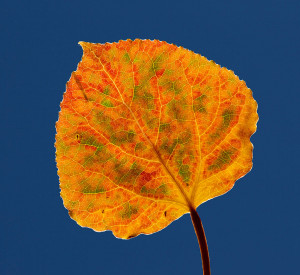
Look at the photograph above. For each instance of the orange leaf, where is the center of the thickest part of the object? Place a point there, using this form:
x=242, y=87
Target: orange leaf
x=147, y=131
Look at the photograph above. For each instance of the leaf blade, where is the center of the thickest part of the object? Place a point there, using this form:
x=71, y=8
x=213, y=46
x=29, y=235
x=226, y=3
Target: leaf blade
x=148, y=127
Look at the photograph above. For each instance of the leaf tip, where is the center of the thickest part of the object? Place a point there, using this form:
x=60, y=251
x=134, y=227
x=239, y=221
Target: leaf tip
x=83, y=44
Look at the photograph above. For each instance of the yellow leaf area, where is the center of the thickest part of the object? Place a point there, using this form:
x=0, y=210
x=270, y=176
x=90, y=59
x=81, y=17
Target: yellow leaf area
x=147, y=131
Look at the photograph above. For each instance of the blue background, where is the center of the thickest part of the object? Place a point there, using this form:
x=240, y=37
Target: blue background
x=253, y=229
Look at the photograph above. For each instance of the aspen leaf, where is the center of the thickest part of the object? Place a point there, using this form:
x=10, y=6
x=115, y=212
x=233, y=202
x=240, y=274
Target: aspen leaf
x=146, y=131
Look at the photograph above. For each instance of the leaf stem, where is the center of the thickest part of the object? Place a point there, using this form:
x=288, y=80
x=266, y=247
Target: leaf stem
x=201, y=240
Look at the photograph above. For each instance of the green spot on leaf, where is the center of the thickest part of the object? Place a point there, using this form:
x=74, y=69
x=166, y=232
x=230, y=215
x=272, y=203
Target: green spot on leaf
x=223, y=158
x=171, y=86
x=151, y=121
x=127, y=57
x=184, y=169
x=89, y=189
x=185, y=173
x=162, y=189
x=128, y=211
x=89, y=140
x=107, y=103
x=198, y=105
x=106, y=90
x=184, y=137
x=176, y=109
x=164, y=127
x=227, y=117
x=103, y=121
x=122, y=137
x=169, y=147
x=144, y=98
x=155, y=66
x=130, y=177
x=140, y=146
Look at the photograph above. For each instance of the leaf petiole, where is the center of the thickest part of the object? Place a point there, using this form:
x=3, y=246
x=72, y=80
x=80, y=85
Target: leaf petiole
x=201, y=240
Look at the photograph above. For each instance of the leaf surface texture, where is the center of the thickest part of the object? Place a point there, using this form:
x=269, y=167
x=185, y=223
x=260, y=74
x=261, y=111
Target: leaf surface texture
x=146, y=131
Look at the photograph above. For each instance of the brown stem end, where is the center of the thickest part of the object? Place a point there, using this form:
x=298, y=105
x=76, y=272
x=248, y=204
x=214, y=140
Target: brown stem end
x=201, y=240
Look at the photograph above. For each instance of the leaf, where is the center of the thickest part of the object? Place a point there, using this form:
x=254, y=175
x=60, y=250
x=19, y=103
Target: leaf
x=147, y=131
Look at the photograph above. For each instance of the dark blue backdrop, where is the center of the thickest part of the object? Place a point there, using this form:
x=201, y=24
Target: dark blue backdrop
x=253, y=229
